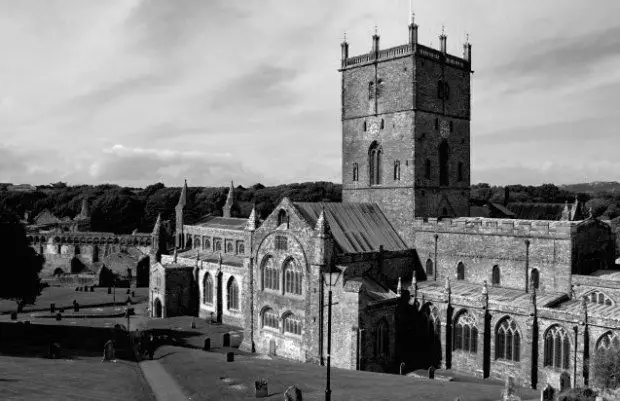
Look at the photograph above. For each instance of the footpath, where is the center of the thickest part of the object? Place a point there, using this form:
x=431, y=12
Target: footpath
x=164, y=387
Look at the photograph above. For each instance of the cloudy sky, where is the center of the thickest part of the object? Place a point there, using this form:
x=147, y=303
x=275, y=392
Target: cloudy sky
x=139, y=91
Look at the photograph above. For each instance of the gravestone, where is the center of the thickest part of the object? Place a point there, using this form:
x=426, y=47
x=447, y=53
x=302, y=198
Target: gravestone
x=76, y=307
x=547, y=394
x=54, y=350
x=226, y=340
x=58, y=316
x=261, y=388
x=108, y=351
x=193, y=324
x=431, y=372
x=133, y=293
x=61, y=310
x=230, y=357
x=207, y=345
x=52, y=308
x=402, y=368
x=292, y=394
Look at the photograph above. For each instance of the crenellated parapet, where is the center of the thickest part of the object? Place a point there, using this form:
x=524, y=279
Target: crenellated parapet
x=138, y=239
x=508, y=227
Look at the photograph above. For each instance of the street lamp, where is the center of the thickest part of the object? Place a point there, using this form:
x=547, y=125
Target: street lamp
x=328, y=390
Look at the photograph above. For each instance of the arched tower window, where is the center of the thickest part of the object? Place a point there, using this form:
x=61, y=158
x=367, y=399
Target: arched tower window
x=371, y=90
x=444, y=156
x=292, y=277
x=364, y=127
x=427, y=169
x=292, y=324
x=270, y=319
x=460, y=271
x=207, y=289
x=282, y=217
x=271, y=274
x=495, y=279
x=460, y=172
x=374, y=163
x=233, y=294
x=355, y=172
x=535, y=278
x=382, y=339
x=397, y=170
x=466, y=333
x=507, y=340
x=429, y=267
x=230, y=248
x=382, y=123
x=557, y=348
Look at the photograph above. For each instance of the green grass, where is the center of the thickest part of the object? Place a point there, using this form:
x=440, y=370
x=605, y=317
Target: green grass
x=63, y=297
x=79, y=378
x=207, y=376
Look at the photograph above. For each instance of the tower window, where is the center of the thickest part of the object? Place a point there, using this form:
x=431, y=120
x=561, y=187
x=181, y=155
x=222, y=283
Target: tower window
x=440, y=89
x=460, y=171
x=379, y=88
x=427, y=169
x=495, y=275
x=397, y=170
x=374, y=164
x=355, y=172
x=444, y=156
x=382, y=123
x=460, y=271
x=443, y=90
x=371, y=90
x=364, y=126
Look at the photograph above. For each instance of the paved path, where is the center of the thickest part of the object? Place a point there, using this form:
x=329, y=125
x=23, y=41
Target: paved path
x=162, y=384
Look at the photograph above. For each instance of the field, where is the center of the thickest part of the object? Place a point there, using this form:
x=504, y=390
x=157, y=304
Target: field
x=30, y=377
x=207, y=376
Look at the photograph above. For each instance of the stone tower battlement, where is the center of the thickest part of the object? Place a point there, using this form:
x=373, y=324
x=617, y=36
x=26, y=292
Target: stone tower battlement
x=510, y=227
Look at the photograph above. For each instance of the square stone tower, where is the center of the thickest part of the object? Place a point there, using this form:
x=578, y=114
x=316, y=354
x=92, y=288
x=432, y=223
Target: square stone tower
x=405, y=130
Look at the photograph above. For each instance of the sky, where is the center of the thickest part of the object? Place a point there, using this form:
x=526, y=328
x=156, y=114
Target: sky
x=134, y=92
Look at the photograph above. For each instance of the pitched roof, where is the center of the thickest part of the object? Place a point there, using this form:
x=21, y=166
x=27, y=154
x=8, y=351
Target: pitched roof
x=46, y=217
x=537, y=211
x=229, y=223
x=356, y=227
x=374, y=291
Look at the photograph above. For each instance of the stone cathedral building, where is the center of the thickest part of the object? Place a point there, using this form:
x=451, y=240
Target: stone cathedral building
x=414, y=279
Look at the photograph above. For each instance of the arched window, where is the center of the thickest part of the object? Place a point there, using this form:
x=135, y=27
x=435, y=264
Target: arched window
x=495, y=275
x=229, y=247
x=608, y=341
x=374, y=163
x=240, y=248
x=197, y=242
x=271, y=275
x=433, y=328
x=535, y=278
x=207, y=244
x=355, y=172
x=507, y=340
x=291, y=324
x=444, y=156
x=466, y=333
x=292, y=277
x=282, y=218
x=460, y=172
x=382, y=339
x=460, y=271
x=371, y=90
x=207, y=289
x=600, y=298
x=364, y=127
x=217, y=242
x=382, y=123
x=557, y=348
x=397, y=170
x=233, y=294
x=429, y=267
x=270, y=319
x=427, y=169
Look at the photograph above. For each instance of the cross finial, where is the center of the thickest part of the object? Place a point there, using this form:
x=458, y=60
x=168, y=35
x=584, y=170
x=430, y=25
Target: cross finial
x=345, y=36
x=443, y=29
x=375, y=29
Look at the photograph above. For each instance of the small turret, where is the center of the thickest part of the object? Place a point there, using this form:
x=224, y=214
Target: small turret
x=84, y=211
x=252, y=223
x=183, y=197
x=375, y=42
x=566, y=213
x=322, y=226
x=467, y=50
x=230, y=201
x=413, y=30
x=157, y=239
x=344, y=51
x=180, y=234
x=443, y=42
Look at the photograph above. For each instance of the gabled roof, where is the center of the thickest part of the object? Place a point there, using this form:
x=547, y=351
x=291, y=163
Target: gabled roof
x=374, y=291
x=229, y=223
x=46, y=217
x=356, y=227
x=537, y=211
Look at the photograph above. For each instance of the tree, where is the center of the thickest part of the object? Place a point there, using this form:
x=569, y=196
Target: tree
x=607, y=368
x=20, y=263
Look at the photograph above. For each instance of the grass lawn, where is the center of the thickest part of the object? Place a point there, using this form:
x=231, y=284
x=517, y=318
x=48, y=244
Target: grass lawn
x=63, y=298
x=80, y=378
x=207, y=376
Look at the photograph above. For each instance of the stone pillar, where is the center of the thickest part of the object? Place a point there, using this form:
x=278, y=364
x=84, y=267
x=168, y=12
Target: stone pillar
x=446, y=338
x=529, y=355
x=483, y=346
x=579, y=331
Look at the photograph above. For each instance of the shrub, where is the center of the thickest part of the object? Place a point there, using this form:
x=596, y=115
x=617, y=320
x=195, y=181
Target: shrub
x=578, y=394
x=606, y=368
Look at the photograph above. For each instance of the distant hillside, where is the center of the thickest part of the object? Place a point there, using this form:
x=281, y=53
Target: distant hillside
x=593, y=187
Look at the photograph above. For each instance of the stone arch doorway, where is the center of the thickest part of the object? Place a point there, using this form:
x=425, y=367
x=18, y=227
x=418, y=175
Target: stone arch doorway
x=158, y=308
